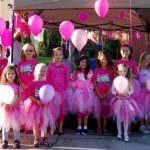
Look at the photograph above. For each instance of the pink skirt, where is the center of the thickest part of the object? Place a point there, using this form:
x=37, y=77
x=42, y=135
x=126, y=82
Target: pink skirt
x=42, y=116
x=126, y=109
x=12, y=118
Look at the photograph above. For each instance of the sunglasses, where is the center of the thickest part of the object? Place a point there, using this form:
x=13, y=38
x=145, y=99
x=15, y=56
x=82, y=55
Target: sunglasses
x=29, y=50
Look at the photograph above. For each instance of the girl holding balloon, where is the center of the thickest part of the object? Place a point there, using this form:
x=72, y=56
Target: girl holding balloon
x=58, y=77
x=123, y=107
x=144, y=77
x=12, y=115
x=102, y=79
x=40, y=112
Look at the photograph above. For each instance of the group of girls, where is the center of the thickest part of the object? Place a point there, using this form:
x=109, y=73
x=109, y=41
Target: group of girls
x=83, y=93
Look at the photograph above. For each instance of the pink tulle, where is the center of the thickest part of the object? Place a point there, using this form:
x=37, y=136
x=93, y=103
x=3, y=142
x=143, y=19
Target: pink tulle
x=12, y=117
x=126, y=109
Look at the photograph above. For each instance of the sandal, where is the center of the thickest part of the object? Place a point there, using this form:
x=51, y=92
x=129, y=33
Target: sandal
x=16, y=144
x=36, y=143
x=4, y=144
x=45, y=141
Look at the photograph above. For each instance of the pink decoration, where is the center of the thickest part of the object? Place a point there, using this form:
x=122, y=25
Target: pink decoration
x=110, y=34
x=101, y=8
x=2, y=25
x=4, y=96
x=121, y=84
x=138, y=35
x=79, y=39
x=24, y=28
x=35, y=24
x=122, y=15
x=83, y=16
x=17, y=20
x=6, y=38
x=66, y=29
x=148, y=85
x=46, y=93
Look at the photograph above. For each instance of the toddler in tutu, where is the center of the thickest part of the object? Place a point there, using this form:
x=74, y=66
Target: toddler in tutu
x=58, y=77
x=83, y=96
x=12, y=115
x=39, y=115
x=102, y=79
x=123, y=107
x=144, y=76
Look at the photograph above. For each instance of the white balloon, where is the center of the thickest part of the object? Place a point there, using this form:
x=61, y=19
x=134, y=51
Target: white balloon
x=148, y=85
x=46, y=93
x=121, y=84
x=6, y=94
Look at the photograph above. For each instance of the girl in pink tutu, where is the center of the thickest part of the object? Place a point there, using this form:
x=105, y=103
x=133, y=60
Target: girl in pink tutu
x=83, y=96
x=39, y=115
x=144, y=76
x=12, y=115
x=102, y=79
x=26, y=69
x=27, y=64
x=123, y=107
x=58, y=77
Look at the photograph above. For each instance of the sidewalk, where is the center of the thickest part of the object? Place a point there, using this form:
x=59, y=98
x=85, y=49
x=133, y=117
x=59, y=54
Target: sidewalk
x=70, y=141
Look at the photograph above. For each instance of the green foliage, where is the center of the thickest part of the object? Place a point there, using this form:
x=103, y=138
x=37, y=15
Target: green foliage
x=113, y=47
x=44, y=59
x=51, y=39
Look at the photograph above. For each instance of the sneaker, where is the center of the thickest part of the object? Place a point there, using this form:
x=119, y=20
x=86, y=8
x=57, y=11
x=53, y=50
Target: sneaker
x=45, y=141
x=16, y=144
x=119, y=136
x=143, y=130
x=126, y=138
x=4, y=144
x=148, y=128
x=84, y=132
x=78, y=132
x=36, y=143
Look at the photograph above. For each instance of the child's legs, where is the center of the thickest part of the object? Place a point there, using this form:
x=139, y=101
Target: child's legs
x=85, y=119
x=61, y=122
x=119, y=127
x=16, y=135
x=36, y=131
x=104, y=113
x=80, y=116
x=4, y=134
x=126, y=125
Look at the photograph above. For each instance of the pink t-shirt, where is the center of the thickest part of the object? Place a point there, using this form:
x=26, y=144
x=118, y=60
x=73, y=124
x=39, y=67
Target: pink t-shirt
x=130, y=63
x=26, y=70
x=58, y=76
x=34, y=87
x=103, y=78
x=3, y=64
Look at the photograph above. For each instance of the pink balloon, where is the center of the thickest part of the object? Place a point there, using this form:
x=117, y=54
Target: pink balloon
x=138, y=35
x=46, y=93
x=121, y=84
x=6, y=38
x=83, y=16
x=110, y=34
x=101, y=7
x=122, y=15
x=24, y=28
x=79, y=39
x=31, y=14
x=66, y=29
x=35, y=24
x=2, y=25
x=17, y=20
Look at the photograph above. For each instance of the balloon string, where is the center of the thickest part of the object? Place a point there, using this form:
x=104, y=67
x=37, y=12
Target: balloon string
x=130, y=38
x=66, y=44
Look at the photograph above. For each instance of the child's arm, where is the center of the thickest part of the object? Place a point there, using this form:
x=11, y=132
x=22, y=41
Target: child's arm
x=35, y=100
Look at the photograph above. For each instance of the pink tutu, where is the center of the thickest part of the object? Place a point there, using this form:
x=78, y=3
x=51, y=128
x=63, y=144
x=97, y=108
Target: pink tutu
x=126, y=109
x=82, y=101
x=43, y=116
x=12, y=118
x=145, y=96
